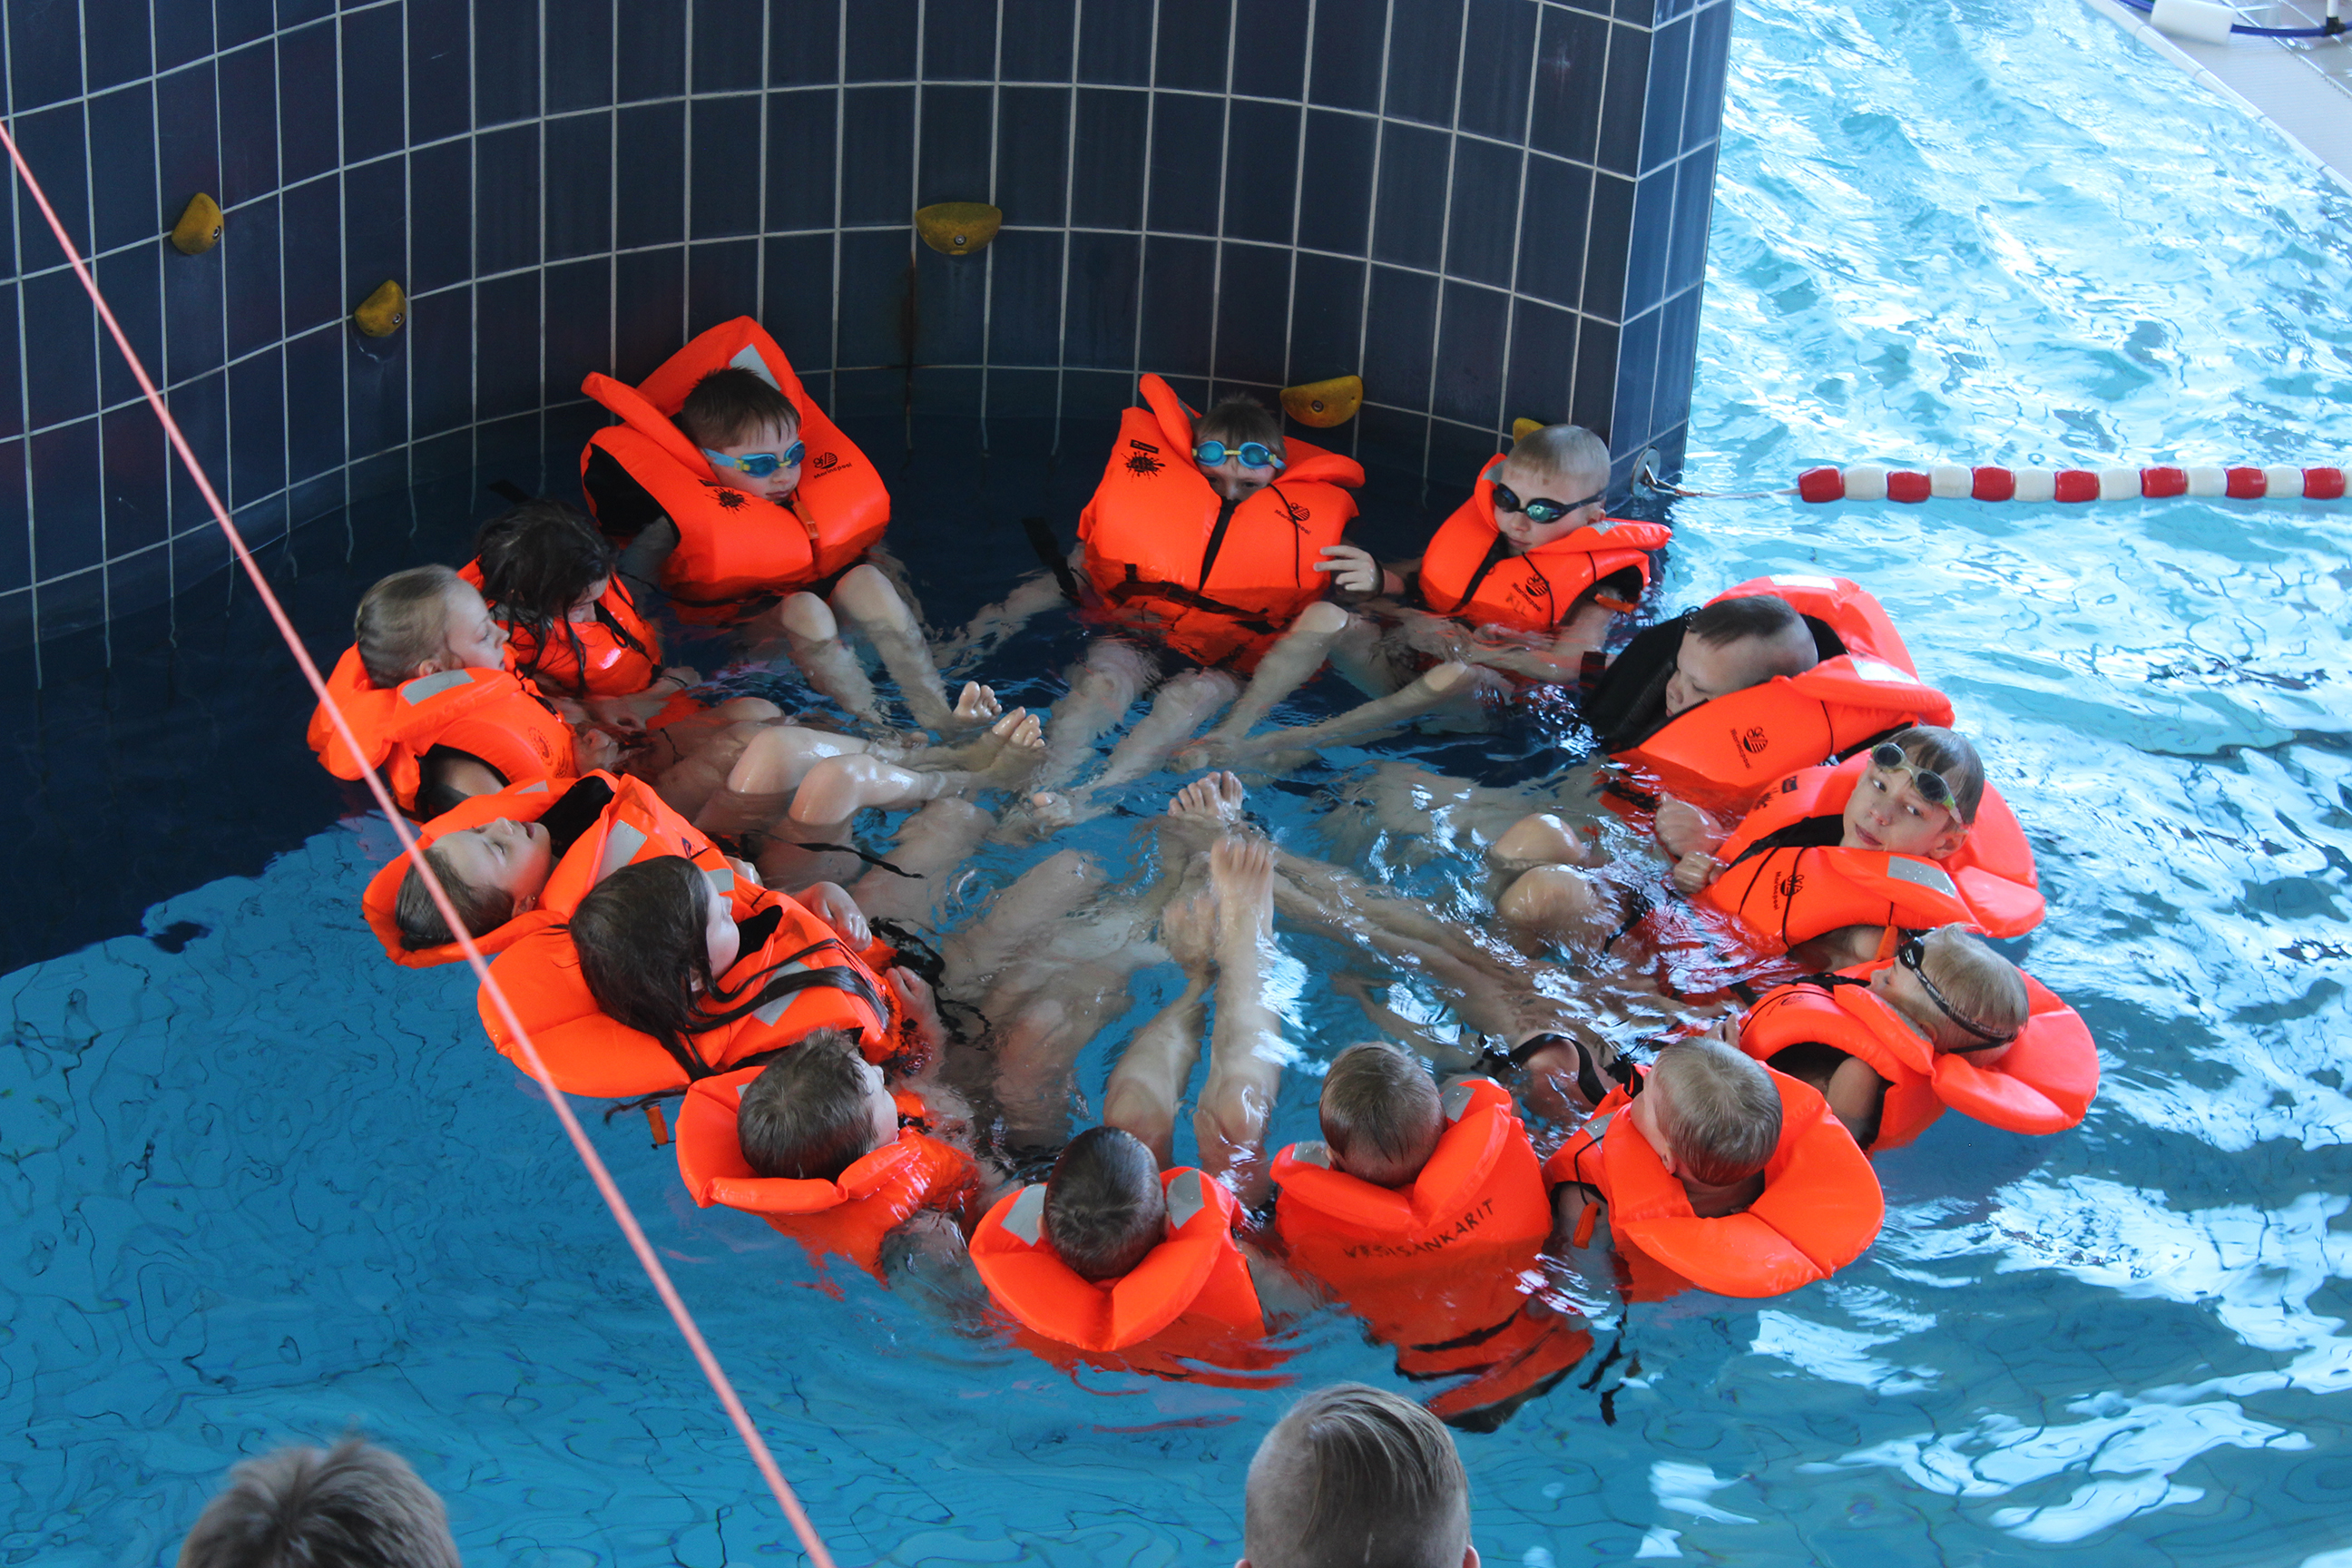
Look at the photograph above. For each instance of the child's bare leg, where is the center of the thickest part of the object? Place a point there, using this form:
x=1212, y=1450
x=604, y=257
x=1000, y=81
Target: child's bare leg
x=1103, y=687
x=1288, y=665
x=866, y=597
x=1559, y=903
x=1371, y=662
x=1245, y=1050
x=1433, y=689
x=837, y=788
x=1182, y=707
x=1041, y=896
x=1148, y=1084
x=1038, y=1047
x=932, y=844
x=813, y=639
x=1542, y=839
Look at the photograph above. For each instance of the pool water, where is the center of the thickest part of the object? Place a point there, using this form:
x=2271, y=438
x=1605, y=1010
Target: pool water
x=263, y=1184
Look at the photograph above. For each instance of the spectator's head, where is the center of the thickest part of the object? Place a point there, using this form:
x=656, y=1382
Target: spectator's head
x=1960, y=993
x=1710, y=1112
x=1381, y=1114
x=1104, y=1208
x=1918, y=795
x=747, y=430
x=1235, y=431
x=816, y=1111
x=1734, y=644
x=1357, y=1477
x=1561, y=471
x=424, y=621
x=358, y=1506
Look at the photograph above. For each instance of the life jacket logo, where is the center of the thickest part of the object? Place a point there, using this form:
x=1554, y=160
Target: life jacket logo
x=1141, y=462
x=825, y=462
x=1754, y=741
x=1790, y=886
x=729, y=499
x=1299, y=514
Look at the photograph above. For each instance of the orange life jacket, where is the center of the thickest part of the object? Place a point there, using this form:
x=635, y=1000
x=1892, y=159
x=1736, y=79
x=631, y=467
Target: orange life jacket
x=1468, y=571
x=733, y=546
x=1789, y=895
x=619, y=651
x=487, y=712
x=588, y=1053
x=636, y=825
x=2044, y=1082
x=1820, y=1208
x=1439, y=1269
x=1191, y=1298
x=850, y=1214
x=1160, y=561
x=1729, y=749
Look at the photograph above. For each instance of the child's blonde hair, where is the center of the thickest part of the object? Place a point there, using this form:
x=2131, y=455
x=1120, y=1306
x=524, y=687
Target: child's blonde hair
x=1569, y=450
x=1980, y=984
x=1718, y=1110
x=1381, y=1115
x=404, y=621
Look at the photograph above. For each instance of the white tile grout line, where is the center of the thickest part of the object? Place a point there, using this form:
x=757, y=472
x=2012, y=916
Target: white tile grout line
x=2134, y=22
x=1069, y=233
x=840, y=170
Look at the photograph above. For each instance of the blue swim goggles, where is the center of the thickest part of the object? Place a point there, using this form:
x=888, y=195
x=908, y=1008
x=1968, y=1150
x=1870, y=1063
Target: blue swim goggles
x=759, y=464
x=1253, y=454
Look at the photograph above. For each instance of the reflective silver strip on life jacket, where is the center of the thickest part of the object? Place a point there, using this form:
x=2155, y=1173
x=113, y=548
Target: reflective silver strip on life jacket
x=1185, y=1200
x=1026, y=1218
x=1902, y=869
x=426, y=686
x=1882, y=672
x=536, y=787
x=774, y=1010
x=1457, y=1098
x=621, y=846
x=747, y=358
x=722, y=880
x=1313, y=1152
x=1803, y=579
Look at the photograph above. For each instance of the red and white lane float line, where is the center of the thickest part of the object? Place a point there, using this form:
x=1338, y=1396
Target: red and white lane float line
x=1874, y=481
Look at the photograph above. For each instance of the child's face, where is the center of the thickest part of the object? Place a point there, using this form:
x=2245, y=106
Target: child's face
x=880, y=1105
x=1645, y=1113
x=1704, y=671
x=514, y=858
x=773, y=441
x=1232, y=478
x=720, y=935
x=584, y=610
x=1519, y=483
x=1886, y=812
x=476, y=640
x=1900, y=989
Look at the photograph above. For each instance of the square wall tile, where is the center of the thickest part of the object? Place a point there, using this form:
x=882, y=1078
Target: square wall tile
x=12, y=406
x=117, y=42
x=44, y=55
x=1035, y=43
x=313, y=248
x=649, y=50
x=506, y=64
x=1662, y=105
x=375, y=226
x=375, y=83
x=1542, y=363
x=958, y=125
x=187, y=152
x=1571, y=71
x=249, y=259
x=727, y=46
x=1637, y=375
x=648, y=310
x=440, y=70
x=796, y=302
x=1607, y=243
x=1262, y=173
x=1270, y=48
x=121, y=168
x=722, y=282
x=192, y=310
x=440, y=347
x=1592, y=402
x=132, y=281
x=1653, y=231
x=1106, y=173
x=1195, y=41
x=199, y=408
x=376, y=393
x=1403, y=310
x=441, y=242
x=876, y=275
x=1253, y=314
x=1188, y=136
x=579, y=337
x=1618, y=147
x=1424, y=59
x=1486, y=217
x=256, y=428
x=951, y=301
x=1694, y=213
x=1179, y=303
x=1335, y=202
x=1098, y=328
x=1327, y=318
x=801, y=128
x=1115, y=42
x=578, y=189
x=1025, y=317
x=1343, y=68
x=1470, y=352
x=314, y=402
x=134, y=457
x=649, y=206
x=55, y=145
x=1710, y=52
x=724, y=191
x=1032, y=155
x=310, y=115
x=959, y=40
x=60, y=350
x=1679, y=323
x=883, y=35
x=507, y=376
x=803, y=43
x=1554, y=209
x=580, y=59
x=1498, y=66
x=1409, y=225
x=878, y=155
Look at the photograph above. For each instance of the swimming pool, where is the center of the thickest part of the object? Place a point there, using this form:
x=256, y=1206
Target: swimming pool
x=266, y=1185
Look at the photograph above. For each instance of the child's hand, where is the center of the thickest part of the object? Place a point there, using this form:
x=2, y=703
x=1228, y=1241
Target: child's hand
x=1353, y=571
x=919, y=1011
x=616, y=714
x=831, y=903
x=1684, y=829
x=746, y=870
x=680, y=676
x=594, y=749
x=1695, y=872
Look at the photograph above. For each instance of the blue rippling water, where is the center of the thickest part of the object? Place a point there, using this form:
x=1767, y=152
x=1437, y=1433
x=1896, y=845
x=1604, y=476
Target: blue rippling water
x=266, y=1185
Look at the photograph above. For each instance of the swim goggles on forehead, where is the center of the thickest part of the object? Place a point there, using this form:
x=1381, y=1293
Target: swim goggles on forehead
x=1913, y=956
x=759, y=465
x=1253, y=454
x=1542, y=508
x=1934, y=788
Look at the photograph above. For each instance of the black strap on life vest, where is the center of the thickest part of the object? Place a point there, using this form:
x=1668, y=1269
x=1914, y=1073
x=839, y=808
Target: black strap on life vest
x=842, y=978
x=1628, y=704
x=1134, y=587
x=1497, y=554
x=1050, y=554
x=1588, y=1079
x=870, y=859
x=1226, y=511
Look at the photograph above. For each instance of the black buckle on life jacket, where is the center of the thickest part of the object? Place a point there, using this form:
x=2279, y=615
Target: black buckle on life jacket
x=1135, y=587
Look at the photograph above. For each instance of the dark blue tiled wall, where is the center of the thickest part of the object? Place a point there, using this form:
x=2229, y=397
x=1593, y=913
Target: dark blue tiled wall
x=1490, y=208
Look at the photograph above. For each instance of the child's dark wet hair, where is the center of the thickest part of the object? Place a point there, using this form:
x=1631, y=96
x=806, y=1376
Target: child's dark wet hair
x=643, y=949
x=804, y=1117
x=734, y=405
x=404, y=621
x=1381, y=1114
x=1934, y=748
x=536, y=562
x=1104, y=1208
x=1238, y=420
x=483, y=910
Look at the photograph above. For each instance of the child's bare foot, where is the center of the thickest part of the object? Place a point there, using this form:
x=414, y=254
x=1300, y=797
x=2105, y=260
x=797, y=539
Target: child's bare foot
x=1018, y=742
x=1039, y=816
x=1242, y=872
x=976, y=704
x=1217, y=798
x=1541, y=839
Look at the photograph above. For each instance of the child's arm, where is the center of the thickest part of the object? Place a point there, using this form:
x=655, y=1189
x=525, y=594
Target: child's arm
x=647, y=553
x=1353, y=571
x=996, y=622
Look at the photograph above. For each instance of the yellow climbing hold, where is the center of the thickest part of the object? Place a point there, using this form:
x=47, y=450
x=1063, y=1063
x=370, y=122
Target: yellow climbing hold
x=1324, y=404
x=1523, y=428
x=383, y=313
x=199, y=228
x=958, y=229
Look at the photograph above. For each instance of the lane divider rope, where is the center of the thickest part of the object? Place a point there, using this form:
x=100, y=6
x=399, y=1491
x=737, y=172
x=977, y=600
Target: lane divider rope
x=622, y=1213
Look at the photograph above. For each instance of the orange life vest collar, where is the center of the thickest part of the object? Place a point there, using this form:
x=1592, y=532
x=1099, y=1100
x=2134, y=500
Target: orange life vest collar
x=618, y=653
x=1164, y=551
x=733, y=546
x=488, y=713
x=1853, y=1019
x=1470, y=1187
x=1468, y=570
x=851, y=1214
x=1197, y=1272
x=589, y=1053
x=1820, y=1208
x=1729, y=748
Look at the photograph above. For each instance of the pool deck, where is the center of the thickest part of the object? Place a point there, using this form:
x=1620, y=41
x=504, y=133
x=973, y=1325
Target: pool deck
x=2303, y=86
